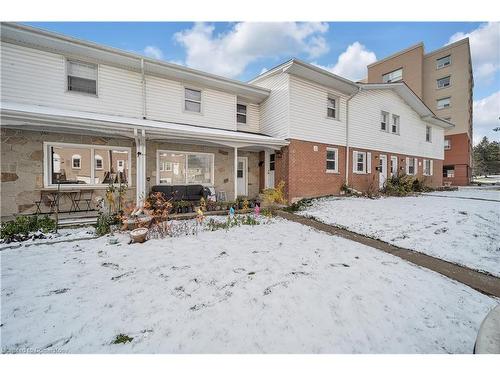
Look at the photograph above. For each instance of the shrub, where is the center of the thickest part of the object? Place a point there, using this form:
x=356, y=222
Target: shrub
x=402, y=185
x=275, y=195
x=20, y=228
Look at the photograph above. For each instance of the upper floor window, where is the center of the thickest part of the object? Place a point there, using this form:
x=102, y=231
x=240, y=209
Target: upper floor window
x=82, y=77
x=443, y=103
x=443, y=61
x=192, y=100
x=384, y=118
x=98, y=162
x=447, y=144
x=76, y=161
x=331, y=160
x=428, y=133
x=241, y=113
x=443, y=82
x=332, y=107
x=394, y=76
x=395, y=124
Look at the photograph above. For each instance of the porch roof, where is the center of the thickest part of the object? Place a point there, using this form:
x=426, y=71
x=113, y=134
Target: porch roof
x=34, y=117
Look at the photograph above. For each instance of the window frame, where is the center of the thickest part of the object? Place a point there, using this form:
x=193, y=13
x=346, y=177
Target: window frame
x=445, y=107
x=74, y=158
x=96, y=158
x=186, y=153
x=364, y=154
x=440, y=79
x=242, y=114
x=392, y=72
x=394, y=116
x=442, y=58
x=426, y=172
x=47, y=179
x=335, y=108
x=335, y=160
x=447, y=147
x=192, y=88
x=67, y=61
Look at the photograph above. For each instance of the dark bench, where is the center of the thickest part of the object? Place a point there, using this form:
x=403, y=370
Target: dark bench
x=182, y=192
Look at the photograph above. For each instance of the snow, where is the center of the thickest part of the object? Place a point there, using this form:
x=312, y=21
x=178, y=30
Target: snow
x=64, y=234
x=462, y=231
x=272, y=288
x=471, y=192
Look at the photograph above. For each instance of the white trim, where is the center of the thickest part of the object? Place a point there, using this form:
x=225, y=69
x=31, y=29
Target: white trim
x=336, y=160
x=355, y=162
x=46, y=168
x=76, y=157
x=245, y=173
x=394, y=161
x=98, y=157
x=212, y=177
x=336, y=108
x=184, y=100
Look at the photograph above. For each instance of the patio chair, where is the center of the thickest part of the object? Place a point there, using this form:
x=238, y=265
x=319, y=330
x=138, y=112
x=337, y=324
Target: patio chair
x=84, y=196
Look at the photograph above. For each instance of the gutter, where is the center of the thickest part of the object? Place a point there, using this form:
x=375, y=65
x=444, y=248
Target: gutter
x=347, y=135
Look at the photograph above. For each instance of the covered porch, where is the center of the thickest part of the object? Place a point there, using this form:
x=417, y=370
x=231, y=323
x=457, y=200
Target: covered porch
x=151, y=153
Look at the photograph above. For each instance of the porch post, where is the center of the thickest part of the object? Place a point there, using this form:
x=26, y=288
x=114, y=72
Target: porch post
x=235, y=173
x=140, y=170
x=266, y=169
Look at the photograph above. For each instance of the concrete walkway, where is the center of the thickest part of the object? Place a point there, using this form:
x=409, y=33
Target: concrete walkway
x=482, y=282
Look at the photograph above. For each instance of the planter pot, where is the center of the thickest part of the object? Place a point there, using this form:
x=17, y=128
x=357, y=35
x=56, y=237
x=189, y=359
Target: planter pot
x=139, y=235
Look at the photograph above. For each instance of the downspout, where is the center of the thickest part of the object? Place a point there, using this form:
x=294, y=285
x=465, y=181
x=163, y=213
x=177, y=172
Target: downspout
x=143, y=83
x=347, y=135
x=140, y=170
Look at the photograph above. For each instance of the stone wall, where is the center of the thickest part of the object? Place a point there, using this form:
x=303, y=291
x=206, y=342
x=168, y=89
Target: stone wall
x=22, y=167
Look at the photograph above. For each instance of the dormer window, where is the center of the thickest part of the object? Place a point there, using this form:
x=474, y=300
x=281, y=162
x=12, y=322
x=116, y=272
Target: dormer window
x=82, y=77
x=241, y=113
x=192, y=100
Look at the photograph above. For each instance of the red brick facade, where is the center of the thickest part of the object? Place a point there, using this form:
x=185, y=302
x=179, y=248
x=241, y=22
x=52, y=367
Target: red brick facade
x=302, y=165
x=458, y=156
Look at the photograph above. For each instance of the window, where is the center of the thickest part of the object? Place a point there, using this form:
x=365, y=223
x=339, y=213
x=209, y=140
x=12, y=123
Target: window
x=395, y=124
x=82, y=77
x=98, y=162
x=68, y=163
x=447, y=144
x=443, y=103
x=384, y=117
x=241, y=113
x=428, y=134
x=443, y=62
x=192, y=100
x=331, y=110
x=411, y=166
x=76, y=162
x=360, y=159
x=449, y=171
x=394, y=76
x=443, y=82
x=272, y=158
x=427, y=167
x=331, y=160
x=181, y=168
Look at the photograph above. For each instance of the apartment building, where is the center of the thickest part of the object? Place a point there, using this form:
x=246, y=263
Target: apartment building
x=76, y=115
x=443, y=79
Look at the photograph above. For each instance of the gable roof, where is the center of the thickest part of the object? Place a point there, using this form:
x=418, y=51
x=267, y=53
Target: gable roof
x=61, y=44
x=412, y=99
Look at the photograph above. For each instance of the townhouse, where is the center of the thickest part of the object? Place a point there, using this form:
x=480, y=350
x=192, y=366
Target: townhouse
x=77, y=116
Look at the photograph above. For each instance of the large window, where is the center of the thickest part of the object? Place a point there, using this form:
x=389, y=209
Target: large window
x=443, y=82
x=331, y=160
x=241, y=113
x=443, y=103
x=75, y=164
x=82, y=77
x=331, y=105
x=181, y=168
x=443, y=61
x=192, y=100
x=394, y=76
x=449, y=171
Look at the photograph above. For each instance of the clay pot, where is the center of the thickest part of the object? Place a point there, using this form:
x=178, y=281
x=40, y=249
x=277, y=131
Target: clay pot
x=139, y=235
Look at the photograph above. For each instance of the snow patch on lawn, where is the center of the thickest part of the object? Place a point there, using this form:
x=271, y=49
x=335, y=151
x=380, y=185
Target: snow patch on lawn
x=273, y=288
x=461, y=231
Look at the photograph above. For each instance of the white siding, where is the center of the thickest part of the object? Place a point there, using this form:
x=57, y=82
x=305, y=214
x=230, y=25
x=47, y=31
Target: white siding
x=308, y=113
x=38, y=77
x=364, y=126
x=274, y=111
x=165, y=102
x=253, y=120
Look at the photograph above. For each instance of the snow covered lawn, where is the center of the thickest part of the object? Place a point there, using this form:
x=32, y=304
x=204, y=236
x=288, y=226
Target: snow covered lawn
x=463, y=231
x=492, y=193
x=273, y=288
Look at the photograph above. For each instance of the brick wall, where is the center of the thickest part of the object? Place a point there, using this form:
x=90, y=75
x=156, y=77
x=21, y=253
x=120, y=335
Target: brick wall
x=459, y=155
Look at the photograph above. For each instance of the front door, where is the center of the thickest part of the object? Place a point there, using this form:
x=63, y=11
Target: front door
x=242, y=176
x=382, y=169
x=270, y=179
x=394, y=166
